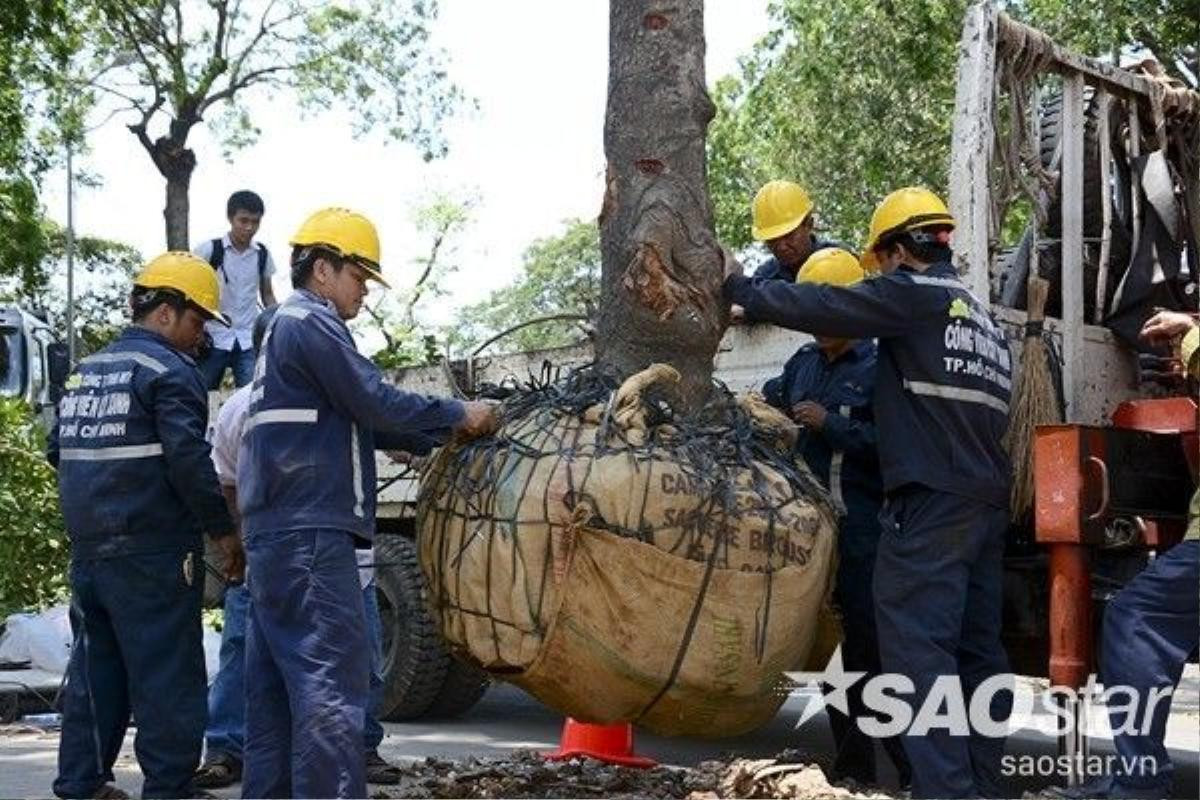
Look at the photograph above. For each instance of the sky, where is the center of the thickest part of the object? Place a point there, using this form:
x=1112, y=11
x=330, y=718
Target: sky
x=532, y=153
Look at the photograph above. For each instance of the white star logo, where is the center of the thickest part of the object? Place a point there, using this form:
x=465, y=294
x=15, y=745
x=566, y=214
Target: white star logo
x=834, y=676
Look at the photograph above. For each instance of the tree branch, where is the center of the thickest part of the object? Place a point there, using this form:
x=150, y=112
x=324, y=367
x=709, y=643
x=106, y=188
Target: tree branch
x=1165, y=58
x=235, y=87
x=380, y=322
x=141, y=30
x=135, y=104
x=419, y=287
x=139, y=129
x=132, y=37
x=263, y=27
x=178, y=23
x=218, y=54
x=111, y=115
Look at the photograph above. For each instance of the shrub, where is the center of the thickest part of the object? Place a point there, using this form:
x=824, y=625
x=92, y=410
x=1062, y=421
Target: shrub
x=33, y=541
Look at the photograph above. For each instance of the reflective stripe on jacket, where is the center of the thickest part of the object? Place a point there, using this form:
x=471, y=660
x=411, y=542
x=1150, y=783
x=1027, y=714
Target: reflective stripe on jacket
x=134, y=472
x=944, y=376
x=308, y=450
x=843, y=453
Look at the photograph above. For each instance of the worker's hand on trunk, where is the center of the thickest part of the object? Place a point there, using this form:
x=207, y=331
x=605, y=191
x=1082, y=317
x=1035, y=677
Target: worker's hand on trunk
x=1167, y=326
x=233, y=556
x=480, y=419
x=737, y=315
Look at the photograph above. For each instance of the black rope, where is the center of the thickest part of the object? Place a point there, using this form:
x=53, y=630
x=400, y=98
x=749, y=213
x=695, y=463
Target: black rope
x=542, y=417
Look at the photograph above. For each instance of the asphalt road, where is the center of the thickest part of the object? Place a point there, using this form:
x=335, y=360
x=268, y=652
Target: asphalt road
x=507, y=719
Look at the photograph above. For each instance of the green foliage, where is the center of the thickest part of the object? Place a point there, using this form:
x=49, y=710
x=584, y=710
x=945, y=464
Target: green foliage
x=181, y=63
x=163, y=68
x=104, y=273
x=398, y=316
x=33, y=544
x=374, y=57
x=32, y=35
x=1166, y=30
x=855, y=98
x=22, y=240
x=559, y=275
x=213, y=618
x=851, y=98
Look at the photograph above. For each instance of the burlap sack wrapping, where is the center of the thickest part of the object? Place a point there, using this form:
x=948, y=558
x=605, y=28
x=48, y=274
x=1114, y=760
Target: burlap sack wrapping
x=652, y=582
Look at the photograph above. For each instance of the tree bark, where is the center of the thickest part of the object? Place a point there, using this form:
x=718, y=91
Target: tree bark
x=177, y=210
x=661, y=263
x=176, y=162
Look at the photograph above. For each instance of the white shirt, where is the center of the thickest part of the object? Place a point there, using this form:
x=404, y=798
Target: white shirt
x=227, y=438
x=238, y=281
x=227, y=435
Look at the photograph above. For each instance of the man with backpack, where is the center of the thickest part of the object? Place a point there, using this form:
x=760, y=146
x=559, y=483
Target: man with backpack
x=244, y=269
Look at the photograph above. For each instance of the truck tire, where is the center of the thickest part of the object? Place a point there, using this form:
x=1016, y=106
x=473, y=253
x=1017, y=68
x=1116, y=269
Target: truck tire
x=1011, y=270
x=415, y=659
x=465, y=685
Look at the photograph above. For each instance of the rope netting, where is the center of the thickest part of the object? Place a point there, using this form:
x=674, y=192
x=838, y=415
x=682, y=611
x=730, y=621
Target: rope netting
x=603, y=528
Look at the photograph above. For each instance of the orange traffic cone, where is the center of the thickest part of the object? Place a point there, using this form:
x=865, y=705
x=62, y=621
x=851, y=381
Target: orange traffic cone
x=612, y=744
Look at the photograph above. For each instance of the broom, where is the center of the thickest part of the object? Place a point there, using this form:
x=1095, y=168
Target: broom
x=1035, y=399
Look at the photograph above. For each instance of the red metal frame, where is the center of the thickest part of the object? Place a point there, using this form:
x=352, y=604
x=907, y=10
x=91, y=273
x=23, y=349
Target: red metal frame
x=1070, y=515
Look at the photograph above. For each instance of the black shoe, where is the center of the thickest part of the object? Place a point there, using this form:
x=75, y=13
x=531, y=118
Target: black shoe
x=110, y=792
x=218, y=771
x=380, y=771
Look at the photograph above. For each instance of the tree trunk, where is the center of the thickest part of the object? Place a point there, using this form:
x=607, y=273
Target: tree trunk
x=176, y=162
x=177, y=211
x=661, y=277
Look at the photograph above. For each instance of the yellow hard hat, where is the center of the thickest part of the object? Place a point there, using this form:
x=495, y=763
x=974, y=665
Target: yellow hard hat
x=831, y=265
x=347, y=233
x=779, y=207
x=189, y=275
x=903, y=210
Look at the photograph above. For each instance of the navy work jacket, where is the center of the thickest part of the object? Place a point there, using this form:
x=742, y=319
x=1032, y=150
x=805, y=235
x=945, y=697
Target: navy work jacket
x=944, y=376
x=134, y=472
x=842, y=454
x=318, y=410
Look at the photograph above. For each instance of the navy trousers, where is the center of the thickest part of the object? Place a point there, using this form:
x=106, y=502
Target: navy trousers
x=938, y=600
x=1150, y=629
x=227, y=693
x=853, y=592
x=138, y=648
x=307, y=667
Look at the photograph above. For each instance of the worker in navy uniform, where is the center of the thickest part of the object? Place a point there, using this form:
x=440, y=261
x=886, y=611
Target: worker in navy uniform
x=1151, y=628
x=138, y=491
x=827, y=388
x=782, y=219
x=942, y=392
x=306, y=478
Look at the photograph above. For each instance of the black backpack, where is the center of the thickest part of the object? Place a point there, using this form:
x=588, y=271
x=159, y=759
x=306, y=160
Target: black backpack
x=217, y=258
